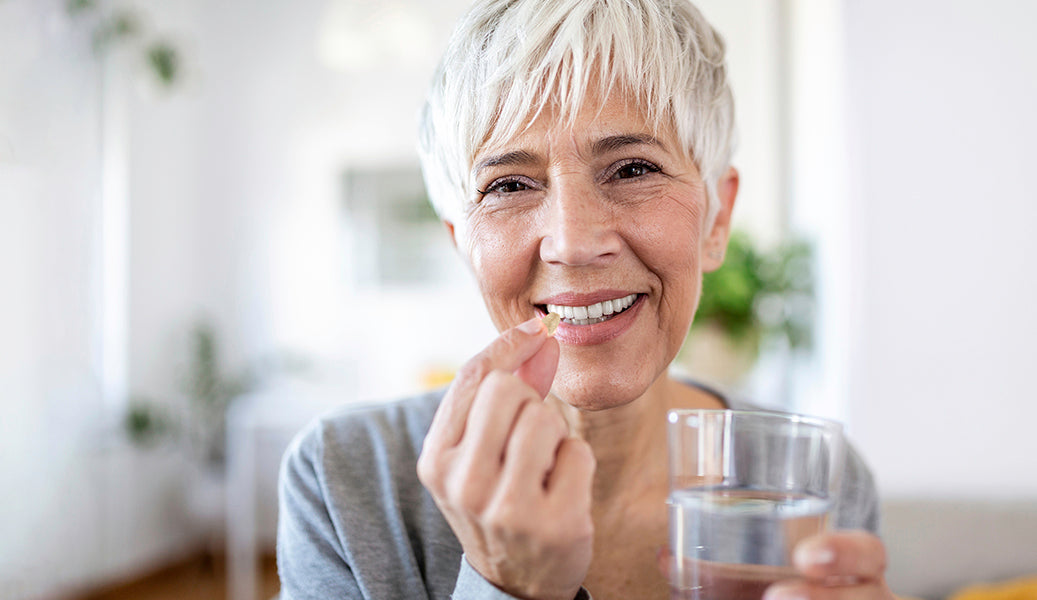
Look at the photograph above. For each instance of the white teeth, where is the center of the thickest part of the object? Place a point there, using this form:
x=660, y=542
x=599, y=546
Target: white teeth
x=586, y=315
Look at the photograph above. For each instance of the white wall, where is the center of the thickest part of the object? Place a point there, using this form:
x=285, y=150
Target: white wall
x=941, y=103
x=752, y=30
x=80, y=505
x=817, y=175
x=233, y=212
x=285, y=115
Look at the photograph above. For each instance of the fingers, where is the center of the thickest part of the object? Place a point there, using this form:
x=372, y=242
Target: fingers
x=539, y=371
x=843, y=554
x=841, y=565
x=803, y=590
x=499, y=402
x=492, y=445
x=570, y=489
x=506, y=353
x=531, y=449
x=664, y=561
x=573, y=474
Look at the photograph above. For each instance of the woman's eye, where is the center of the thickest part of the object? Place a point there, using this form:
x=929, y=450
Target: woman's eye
x=635, y=169
x=506, y=186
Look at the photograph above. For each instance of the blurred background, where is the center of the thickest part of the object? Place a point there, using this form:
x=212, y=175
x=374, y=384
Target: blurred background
x=213, y=228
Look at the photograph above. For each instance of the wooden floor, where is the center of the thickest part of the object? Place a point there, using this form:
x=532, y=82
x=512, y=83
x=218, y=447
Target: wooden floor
x=199, y=578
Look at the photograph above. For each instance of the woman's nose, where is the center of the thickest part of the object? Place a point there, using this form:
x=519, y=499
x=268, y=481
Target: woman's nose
x=579, y=228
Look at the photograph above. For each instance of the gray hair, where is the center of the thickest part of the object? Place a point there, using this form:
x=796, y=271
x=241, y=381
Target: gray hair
x=508, y=59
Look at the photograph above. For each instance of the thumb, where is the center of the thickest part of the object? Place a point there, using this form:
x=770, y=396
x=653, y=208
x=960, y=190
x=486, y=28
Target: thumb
x=664, y=561
x=539, y=370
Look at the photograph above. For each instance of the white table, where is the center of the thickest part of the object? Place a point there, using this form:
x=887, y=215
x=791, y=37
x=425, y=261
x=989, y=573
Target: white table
x=260, y=426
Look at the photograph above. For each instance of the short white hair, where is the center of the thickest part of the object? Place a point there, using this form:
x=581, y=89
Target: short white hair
x=508, y=59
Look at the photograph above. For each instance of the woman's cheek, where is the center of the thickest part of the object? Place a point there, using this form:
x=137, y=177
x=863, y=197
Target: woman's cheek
x=497, y=253
x=493, y=236
x=482, y=249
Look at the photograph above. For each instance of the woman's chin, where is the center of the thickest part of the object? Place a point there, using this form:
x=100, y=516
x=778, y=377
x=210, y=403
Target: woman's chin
x=595, y=385
x=596, y=398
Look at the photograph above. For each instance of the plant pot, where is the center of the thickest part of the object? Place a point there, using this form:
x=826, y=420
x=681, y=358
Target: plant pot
x=711, y=355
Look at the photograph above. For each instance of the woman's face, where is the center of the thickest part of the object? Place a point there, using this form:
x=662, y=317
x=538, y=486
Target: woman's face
x=602, y=222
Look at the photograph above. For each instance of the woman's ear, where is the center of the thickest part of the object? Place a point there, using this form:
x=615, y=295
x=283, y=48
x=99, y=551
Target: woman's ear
x=450, y=229
x=716, y=241
x=456, y=237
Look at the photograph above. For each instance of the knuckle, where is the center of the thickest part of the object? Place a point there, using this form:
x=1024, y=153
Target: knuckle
x=504, y=387
x=579, y=528
x=569, y=531
x=431, y=471
x=475, y=369
x=585, y=527
x=485, y=362
x=495, y=380
x=544, y=417
x=879, y=553
x=425, y=470
x=467, y=495
x=468, y=485
x=534, y=413
x=582, y=452
x=510, y=340
x=558, y=422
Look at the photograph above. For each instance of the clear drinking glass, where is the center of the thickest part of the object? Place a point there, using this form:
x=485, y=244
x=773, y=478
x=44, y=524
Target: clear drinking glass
x=745, y=488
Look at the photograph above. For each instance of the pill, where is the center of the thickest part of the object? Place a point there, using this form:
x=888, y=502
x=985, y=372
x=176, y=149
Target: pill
x=551, y=321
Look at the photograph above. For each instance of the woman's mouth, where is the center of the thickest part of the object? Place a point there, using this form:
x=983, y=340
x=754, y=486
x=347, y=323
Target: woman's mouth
x=592, y=313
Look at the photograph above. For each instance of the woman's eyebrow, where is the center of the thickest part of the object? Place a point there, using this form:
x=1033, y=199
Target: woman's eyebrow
x=508, y=159
x=602, y=146
x=615, y=142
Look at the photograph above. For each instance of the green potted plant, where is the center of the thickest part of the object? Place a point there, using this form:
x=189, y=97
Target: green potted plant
x=112, y=27
x=208, y=392
x=756, y=298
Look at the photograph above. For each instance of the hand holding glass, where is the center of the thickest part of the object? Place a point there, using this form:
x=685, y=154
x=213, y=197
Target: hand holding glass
x=745, y=488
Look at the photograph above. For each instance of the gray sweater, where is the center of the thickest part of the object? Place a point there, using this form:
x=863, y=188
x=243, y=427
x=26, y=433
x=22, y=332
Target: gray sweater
x=355, y=522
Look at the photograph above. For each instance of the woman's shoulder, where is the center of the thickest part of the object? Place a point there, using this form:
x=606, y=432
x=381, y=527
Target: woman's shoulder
x=370, y=428
x=351, y=503
x=361, y=460
x=411, y=416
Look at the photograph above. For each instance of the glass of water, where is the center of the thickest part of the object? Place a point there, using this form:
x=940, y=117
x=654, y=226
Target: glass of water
x=745, y=488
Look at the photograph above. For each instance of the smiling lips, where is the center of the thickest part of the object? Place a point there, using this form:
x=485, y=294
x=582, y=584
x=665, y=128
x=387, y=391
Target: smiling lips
x=593, y=313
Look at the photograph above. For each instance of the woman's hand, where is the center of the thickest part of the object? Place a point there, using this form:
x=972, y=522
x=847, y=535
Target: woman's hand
x=501, y=466
x=840, y=565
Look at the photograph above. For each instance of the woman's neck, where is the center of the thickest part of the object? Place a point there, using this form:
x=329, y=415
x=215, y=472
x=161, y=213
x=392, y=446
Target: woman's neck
x=629, y=441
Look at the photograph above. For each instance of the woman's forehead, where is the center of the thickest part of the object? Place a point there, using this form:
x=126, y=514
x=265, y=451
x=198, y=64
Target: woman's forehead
x=594, y=126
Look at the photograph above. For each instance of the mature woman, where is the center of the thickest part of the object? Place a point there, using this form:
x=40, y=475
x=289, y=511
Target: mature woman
x=578, y=153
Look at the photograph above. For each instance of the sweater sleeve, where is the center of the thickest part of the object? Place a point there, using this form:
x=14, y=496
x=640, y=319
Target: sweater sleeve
x=858, y=505
x=310, y=560
x=472, y=586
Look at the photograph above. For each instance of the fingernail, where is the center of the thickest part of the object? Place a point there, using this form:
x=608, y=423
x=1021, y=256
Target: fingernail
x=532, y=326
x=780, y=593
x=808, y=555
